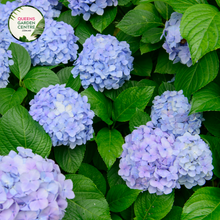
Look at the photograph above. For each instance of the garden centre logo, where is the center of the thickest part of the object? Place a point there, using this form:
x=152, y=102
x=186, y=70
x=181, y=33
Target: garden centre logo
x=26, y=23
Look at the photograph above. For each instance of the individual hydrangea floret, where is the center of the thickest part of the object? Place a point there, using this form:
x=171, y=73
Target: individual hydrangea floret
x=175, y=45
x=147, y=160
x=89, y=7
x=64, y=115
x=170, y=113
x=103, y=63
x=4, y=66
x=194, y=161
x=32, y=187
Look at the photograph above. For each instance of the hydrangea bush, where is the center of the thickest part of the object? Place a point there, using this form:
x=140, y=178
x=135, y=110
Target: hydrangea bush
x=123, y=96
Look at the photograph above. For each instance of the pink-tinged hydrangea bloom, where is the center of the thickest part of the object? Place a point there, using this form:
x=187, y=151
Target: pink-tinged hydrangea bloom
x=175, y=45
x=25, y=195
x=89, y=7
x=170, y=113
x=148, y=158
x=64, y=115
x=103, y=63
x=194, y=161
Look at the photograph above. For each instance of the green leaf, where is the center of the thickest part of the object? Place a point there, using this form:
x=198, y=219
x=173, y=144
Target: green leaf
x=132, y=41
x=109, y=145
x=98, y=161
x=142, y=65
x=165, y=87
x=139, y=118
x=113, y=93
x=164, y=65
x=174, y=214
x=102, y=22
x=84, y=31
x=126, y=103
x=5, y=1
x=95, y=175
x=69, y=19
x=212, y=122
x=145, y=48
x=17, y=128
x=206, y=99
x=218, y=2
x=64, y=74
x=40, y=77
x=10, y=98
x=214, y=143
x=22, y=60
x=152, y=35
x=74, y=83
x=152, y=206
x=203, y=204
x=69, y=159
x=113, y=177
x=99, y=104
x=139, y=20
x=164, y=9
x=120, y=197
x=123, y=2
x=180, y=5
x=116, y=217
x=64, y=2
x=200, y=26
x=89, y=202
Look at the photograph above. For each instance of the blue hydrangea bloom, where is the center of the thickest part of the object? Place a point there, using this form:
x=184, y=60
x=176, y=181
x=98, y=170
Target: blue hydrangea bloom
x=4, y=66
x=103, y=63
x=147, y=161
x=175, y=45
x=194, y=161
x=170, y=113
x=64, y=115
x=89, y=7
x=32, y=187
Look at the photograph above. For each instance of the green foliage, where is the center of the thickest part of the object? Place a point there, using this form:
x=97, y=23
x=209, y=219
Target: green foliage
x=69, y=19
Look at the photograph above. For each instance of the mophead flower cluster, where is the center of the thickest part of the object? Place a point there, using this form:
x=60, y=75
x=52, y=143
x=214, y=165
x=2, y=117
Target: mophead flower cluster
x=64, y=115
x=89, y=7
x=103, y=63
x=4, y=66
x=170, y=113
x=32, y=187
x=167, y=152
x=56, y=45
x=175, y=45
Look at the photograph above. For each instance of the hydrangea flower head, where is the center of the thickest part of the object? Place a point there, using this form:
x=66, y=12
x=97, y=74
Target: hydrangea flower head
x=32, y=187
x=175, y=45
x=64, y=115
x=4, y=66
x=88, y=7
x=170, y=113
x=147, y=160
x=103, y=63
x=194, y=161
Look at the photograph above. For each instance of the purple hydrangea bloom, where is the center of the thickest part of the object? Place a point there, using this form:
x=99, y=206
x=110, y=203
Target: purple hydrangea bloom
x=4, y=66
x=147, y=161
x=103, y=63
x=175, y=45
x=89, y=7
x=170, y=113
x=64, y=115
x=24, y=194
x=194, y=161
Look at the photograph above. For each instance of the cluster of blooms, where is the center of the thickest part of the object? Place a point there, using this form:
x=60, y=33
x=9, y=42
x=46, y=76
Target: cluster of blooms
x=89, y=7
x=56, y=45
x=167, y=152
x=175, y=45
x=64, y=115
x=104, y=63
x=170, y=113
x=32, y=187
x=4, y=66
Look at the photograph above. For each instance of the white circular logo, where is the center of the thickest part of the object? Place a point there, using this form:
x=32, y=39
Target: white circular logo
x=26, y=23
